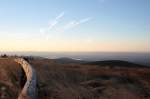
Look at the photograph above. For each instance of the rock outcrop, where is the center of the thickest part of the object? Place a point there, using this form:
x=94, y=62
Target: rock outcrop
x=29, y=90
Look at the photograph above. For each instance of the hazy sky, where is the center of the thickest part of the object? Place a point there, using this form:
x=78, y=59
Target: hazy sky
x=75, y=25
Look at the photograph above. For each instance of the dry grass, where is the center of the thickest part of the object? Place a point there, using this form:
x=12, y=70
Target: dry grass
x=76, y=81
x=9, y=79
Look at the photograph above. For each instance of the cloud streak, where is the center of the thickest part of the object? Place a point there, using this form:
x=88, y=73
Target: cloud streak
x=60, y=15
x=72, y=24
x=75, y=23
x=52, y=23
x=56, y=21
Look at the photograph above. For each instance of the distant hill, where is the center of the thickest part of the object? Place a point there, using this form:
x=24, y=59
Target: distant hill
x=118, y=63
x=65, y=60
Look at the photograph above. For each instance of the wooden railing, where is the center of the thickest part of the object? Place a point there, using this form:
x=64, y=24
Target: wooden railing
x=29, y=90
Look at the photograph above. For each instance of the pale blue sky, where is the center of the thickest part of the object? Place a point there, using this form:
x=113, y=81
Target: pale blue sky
x=75, y=25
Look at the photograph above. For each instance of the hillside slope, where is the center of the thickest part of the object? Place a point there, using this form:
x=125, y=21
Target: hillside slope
x=78, y=81
x=116, y=63
x=58, y=80
x=9, y=79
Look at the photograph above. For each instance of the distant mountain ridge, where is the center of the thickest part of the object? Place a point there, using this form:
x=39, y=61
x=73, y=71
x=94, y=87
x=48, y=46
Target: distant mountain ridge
x=110, y=63
x=119, y=63
x=65, y=60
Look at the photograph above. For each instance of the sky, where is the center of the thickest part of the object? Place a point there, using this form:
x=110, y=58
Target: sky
x=75, y=25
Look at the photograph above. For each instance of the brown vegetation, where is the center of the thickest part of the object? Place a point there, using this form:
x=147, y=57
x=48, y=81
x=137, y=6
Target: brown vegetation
x=76, y=81
x=9, y=79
